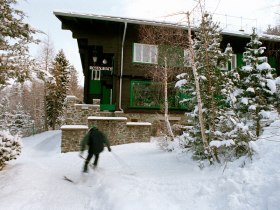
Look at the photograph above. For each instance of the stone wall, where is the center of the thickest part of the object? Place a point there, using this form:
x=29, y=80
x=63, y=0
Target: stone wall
x=113, y=127
x=77, y=113
x=119, y=127
x=119, y=131
x=138, y=131
x=157, y=120
x=72, y=136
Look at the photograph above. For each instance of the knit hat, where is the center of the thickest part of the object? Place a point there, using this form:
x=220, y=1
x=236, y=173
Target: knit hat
x=92, y=127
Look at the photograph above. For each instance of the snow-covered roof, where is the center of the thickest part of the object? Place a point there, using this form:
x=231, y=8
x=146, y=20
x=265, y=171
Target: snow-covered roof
x=115, y=18
x=248, y=35
x=153, y=22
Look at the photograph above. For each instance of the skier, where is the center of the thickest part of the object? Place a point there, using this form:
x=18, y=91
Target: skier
x=95, y=141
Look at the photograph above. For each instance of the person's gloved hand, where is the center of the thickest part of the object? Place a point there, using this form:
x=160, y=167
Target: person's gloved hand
x=81, y=155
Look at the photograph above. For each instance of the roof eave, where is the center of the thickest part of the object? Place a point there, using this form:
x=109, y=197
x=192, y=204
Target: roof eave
x=59, y=14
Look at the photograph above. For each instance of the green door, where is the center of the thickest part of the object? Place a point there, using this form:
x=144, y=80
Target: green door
x=106, y=95
x=95, y=87
x=106, y=100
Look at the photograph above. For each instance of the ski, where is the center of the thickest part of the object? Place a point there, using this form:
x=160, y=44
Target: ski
x=68, y=179
x=82, y=179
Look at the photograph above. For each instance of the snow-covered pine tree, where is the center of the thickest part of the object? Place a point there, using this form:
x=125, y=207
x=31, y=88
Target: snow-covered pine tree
x=277, y=94
x=15, y=36
x=224, y=131
x=5, y=115
x=207, y=56
x=231, y=138
x=74, y=87
x=21, y=123
x=57, y=89
x=256, y=94
x=10, y=147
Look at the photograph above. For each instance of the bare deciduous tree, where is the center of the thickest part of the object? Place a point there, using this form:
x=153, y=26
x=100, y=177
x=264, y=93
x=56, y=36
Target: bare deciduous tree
x=44, y=61
x=74, y=87
x=171, y=42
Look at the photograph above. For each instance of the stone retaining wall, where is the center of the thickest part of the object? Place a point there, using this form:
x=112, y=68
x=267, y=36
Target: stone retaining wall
x=72, y=136
x=119, y=131
x=120, y=128
x=77, y=113
x=138, y=132
x=113, y=127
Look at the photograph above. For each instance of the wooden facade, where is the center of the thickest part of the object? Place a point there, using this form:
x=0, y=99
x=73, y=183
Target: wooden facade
x=110, y=41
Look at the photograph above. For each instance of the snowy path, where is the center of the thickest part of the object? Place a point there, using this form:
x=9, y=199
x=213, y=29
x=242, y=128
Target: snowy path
x=139, y=176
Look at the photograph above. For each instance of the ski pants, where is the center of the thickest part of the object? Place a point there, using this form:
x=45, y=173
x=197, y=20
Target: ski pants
x=89, y=158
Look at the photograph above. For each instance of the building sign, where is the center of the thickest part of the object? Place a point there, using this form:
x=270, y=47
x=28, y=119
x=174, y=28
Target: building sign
x=101, y=68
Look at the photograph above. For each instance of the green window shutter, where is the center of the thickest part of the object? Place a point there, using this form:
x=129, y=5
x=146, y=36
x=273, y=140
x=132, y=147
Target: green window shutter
x=239, y=57
x=272, y=61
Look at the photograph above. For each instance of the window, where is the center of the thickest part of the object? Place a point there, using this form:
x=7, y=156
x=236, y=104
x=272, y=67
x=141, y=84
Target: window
x=223, y=65
x=232, y=64
x=145, y=53
x=148, y=94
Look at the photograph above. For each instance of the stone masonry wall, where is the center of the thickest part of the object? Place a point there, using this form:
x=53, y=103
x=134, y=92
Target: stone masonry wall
x=138, y=132
x=119, y=131
x=77, y=113
x=72, y=136
x=120, y=128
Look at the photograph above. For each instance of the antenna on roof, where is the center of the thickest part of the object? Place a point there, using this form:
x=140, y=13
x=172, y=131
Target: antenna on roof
x=241, y=29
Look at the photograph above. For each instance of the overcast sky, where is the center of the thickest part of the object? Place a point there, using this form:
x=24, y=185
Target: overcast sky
x=234, y=14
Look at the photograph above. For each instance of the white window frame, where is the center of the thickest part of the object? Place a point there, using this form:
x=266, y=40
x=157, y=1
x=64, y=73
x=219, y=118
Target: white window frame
x=224, y=66
x=145, y=53
x=233, y=62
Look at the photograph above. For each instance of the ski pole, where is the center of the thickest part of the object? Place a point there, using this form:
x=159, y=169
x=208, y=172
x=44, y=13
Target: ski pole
x=122, y=163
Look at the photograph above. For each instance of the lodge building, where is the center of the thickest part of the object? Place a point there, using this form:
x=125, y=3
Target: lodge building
x=110, y=50
x=119, y=98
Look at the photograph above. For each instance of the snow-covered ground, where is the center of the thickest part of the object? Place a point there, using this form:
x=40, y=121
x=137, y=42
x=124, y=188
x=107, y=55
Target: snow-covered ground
x=140, y=176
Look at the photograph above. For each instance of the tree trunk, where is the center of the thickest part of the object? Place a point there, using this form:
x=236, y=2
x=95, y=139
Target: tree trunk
x=209, y=79
x=45, y=108
x=258, y=123
x=166, y=118
x=210, y=154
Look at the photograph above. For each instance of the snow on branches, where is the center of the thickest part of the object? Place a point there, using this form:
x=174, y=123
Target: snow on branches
x=10, y=147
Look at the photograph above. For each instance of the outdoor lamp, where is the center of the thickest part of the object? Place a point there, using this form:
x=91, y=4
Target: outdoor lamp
x=94, y=58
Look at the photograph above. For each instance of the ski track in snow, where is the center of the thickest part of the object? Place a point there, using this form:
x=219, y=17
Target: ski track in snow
x=139, y=176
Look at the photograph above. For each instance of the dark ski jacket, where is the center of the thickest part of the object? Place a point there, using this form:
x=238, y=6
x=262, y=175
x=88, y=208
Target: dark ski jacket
x=94, y=140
